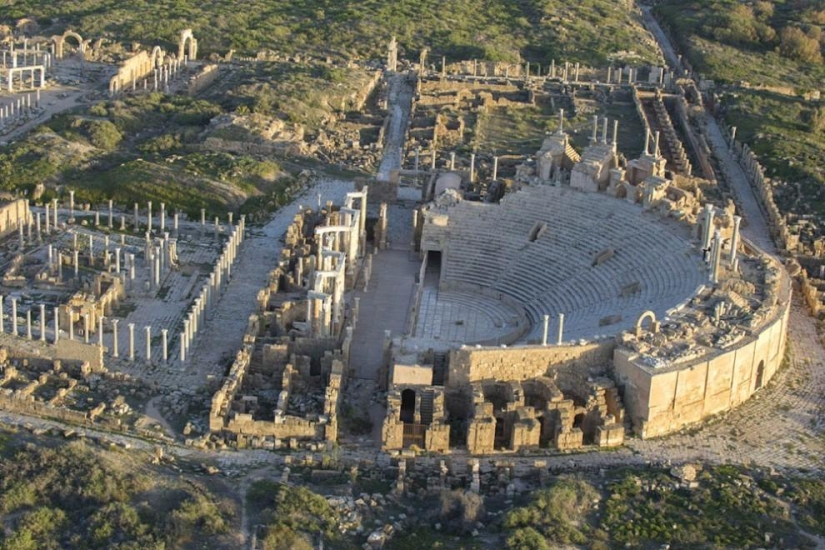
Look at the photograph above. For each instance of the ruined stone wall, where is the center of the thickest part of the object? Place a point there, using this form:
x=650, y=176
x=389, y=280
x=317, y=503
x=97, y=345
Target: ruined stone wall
x=203, y=79
x=359, y=98
x=764, y=193
x=637, y=101
x=56, y=412
x=698, y=144
x=132, y=70
x=13, y=214
x=660, y=401
x=281, y=149
x=325, y=358
x=66, y=350
x=290, y=426
x=570, y=364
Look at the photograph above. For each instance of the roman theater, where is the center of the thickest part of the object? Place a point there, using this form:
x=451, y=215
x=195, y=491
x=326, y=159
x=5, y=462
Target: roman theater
x=593, y=298
x=596, y=298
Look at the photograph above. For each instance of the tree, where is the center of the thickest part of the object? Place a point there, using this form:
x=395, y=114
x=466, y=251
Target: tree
x=104, y=135
x=795, y=44
x=527, y=539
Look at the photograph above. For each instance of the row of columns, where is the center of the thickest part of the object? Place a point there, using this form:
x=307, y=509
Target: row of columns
x=11, y=58
x=17, y=110
x=594, y=139
x=150, y=222
x=160, y=258
x=434, y=157
x=570, y=73
x=713, y=243
x=559, y=334
x=211, y=290
x=29, y=334
x=159, y=78
x=51, y=213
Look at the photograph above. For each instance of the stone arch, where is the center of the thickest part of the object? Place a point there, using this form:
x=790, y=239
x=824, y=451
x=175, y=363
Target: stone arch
x=156, y=58
x=60, y=41
x=185, y=35
x=760, y=375
x=407, y=413
x=654, y=325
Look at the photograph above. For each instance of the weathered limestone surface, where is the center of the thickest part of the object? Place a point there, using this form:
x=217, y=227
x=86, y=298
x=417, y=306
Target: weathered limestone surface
x=470, y=365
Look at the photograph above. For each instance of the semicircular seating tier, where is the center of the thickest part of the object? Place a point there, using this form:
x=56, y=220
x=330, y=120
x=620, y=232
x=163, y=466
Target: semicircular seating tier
x=539, y=246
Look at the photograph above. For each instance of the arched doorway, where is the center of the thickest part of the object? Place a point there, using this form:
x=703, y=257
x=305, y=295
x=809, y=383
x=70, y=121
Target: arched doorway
x=760, y=374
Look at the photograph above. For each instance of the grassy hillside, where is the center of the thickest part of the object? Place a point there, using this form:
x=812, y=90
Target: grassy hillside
x=765, y=57
x=146, y=147
x=586, y=31
x=76, y=496
x=774, y=43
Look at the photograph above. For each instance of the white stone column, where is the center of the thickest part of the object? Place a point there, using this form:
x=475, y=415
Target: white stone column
x=734, y=240
x=54, y=211
x=149, y=217
x=148, y=331
x=716, y=256
x=86, y=328
x=48, y=229
x=114, y=337
x=131, y=341
x=164, y=342
x=111, y=213
x=187, y=335
x=76, y=264
x=559, y=339
x=14, y=315
x=56, y=325
x=182, y=339
x=42, y=322
x=546, y=327
x=100, y=332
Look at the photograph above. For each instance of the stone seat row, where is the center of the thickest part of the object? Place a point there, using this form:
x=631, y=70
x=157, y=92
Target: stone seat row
x=495, y=310
x=490, y=246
